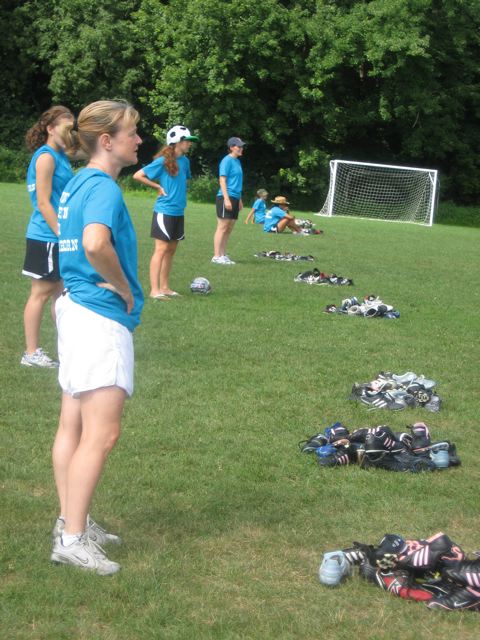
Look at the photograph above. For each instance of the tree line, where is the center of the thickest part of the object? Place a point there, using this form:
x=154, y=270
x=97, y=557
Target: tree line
x=393, y=81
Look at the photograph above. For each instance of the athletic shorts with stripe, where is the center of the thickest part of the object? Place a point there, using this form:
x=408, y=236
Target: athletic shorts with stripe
x=227, y=214
x=167, y=228
x=41, y=260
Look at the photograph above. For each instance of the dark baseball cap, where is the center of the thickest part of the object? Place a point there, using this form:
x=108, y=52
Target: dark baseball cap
x=235, y=142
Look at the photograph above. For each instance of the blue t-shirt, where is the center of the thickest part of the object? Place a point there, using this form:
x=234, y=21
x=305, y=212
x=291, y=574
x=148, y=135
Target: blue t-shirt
x=38, y=228
x=273, y=217
x=174, y=203
x=231, y=169
x=92, y=196
x=260, y=208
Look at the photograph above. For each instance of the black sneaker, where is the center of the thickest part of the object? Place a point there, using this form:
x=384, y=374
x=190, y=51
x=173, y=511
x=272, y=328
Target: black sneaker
x=312, y=443
x=383, y=400
x=465, y=573
x=357, y=554
x=421, y=440
x=339, y=456
x=419, y=392
x=402, y=461
x=431, y=554
x=380, y=440
x=460, y=598
x=390, y=547
x=336, y=432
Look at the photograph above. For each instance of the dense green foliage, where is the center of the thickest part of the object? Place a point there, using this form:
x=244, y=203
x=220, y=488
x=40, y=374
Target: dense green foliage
x=392, y=81
x=224, y=522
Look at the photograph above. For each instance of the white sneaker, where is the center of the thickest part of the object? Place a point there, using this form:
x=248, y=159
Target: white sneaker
x=222, y=260
x=85, y=554
x=94, y=531
x=38, y=359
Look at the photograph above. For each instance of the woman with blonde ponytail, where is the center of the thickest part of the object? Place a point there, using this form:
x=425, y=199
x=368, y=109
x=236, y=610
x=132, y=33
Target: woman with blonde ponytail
x=96, y=316
x=48, y=172
x=168, y=175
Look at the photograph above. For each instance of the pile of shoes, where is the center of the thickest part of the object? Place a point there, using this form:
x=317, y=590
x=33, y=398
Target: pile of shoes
x=304, y=223
x=397, y=392
x=318, y=277
x=371, y=307
x=435, y=570
x=381, y=448
x=283, y=257
x=308, y=232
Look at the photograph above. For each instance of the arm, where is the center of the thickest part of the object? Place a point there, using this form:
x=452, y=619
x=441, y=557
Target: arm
x=250, y=216
x=102, y=256
x=223, y=187
x=141, y=177
x=45, y=167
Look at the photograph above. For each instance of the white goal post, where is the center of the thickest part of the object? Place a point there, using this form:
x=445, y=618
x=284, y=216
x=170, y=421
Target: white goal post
x=381, y=192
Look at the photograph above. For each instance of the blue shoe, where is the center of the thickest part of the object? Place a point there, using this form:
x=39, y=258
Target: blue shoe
x=334, y=568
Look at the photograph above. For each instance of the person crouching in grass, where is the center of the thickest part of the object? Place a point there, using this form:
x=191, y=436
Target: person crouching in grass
x=279, y=217
x=259, y=208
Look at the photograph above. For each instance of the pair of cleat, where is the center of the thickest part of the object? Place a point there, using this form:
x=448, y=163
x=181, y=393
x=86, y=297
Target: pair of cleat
x=383, y=450
x=286, y=257
x=320, y=278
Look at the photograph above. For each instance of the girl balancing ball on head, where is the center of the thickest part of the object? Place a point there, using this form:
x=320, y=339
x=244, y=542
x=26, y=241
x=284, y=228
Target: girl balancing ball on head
x=171, y=170
x=96, y=315
x=48, y=172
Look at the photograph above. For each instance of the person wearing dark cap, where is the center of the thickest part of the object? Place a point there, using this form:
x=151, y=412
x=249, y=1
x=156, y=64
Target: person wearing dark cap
x=279, y=217
x=229, y=199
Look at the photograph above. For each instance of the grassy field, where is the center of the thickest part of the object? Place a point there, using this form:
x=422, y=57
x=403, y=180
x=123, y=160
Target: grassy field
x=224, y=521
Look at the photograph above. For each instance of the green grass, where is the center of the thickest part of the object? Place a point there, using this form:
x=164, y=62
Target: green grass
x=224, y=521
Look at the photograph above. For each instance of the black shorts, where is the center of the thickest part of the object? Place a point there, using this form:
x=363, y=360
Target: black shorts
x=41, y=260
x=227, y=214
x=167, y=228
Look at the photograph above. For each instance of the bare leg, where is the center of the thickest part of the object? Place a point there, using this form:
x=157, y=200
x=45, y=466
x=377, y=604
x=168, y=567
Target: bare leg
x=65, y=445
x=222, y=234
x=101, y=412
x=169, y=252
x=40, y=293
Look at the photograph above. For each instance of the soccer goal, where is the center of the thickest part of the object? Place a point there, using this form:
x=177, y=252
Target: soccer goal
x=381, y=192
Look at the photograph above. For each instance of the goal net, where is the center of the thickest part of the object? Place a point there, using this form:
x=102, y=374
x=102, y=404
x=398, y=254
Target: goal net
x=381, y=192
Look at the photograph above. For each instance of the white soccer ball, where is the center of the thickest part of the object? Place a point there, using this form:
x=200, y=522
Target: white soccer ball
x=177, y=134
x=200, y=285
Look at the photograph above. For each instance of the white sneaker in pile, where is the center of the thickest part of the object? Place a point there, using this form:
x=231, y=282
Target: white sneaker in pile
x=84, y=553
x=94, y=531
x=38, y=359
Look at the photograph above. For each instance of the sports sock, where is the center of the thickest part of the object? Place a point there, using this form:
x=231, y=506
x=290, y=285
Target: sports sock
x=68, y=539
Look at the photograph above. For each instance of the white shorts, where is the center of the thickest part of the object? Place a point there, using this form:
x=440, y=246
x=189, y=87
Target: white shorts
x=93, y=351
